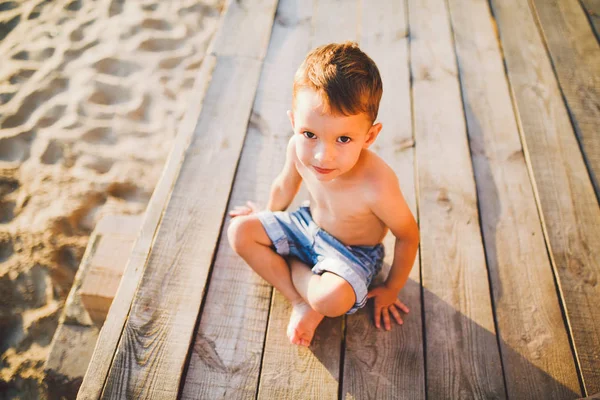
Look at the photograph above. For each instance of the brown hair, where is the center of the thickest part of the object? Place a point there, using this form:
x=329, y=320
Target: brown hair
x=345, y=77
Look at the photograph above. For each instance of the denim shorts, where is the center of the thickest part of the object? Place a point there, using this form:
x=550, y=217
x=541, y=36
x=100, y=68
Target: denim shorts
x=296, y=234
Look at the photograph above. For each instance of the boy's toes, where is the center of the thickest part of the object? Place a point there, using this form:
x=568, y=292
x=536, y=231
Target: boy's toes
x=297, y=339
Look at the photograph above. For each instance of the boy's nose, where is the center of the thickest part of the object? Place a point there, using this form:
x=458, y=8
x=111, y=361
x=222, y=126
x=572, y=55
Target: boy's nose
x=324, y=154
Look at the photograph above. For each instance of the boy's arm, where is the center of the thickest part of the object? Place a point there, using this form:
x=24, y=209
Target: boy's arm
x=389, y=205
x=286, y=185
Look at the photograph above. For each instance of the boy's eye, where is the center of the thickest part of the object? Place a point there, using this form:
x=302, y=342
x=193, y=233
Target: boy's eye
x=344, y=139
x=309, y=135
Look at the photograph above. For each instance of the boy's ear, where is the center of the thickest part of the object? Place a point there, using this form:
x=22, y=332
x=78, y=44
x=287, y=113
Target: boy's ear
x=290, y=115
x=372, y=134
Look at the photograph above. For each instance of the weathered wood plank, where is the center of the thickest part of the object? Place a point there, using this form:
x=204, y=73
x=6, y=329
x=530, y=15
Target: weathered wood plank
x=295, y=372
x=568, y=206
x=93, y=381
x=151, y=354
x=226, y=355
x=335, y=21
x=537, y=358
x=592, y=8
x=289, y=371
x=462, y=352
x=575, y=53
x=242, y=31
x=380, y=364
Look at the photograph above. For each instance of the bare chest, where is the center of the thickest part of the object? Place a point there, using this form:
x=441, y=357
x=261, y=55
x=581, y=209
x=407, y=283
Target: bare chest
x=342, y=210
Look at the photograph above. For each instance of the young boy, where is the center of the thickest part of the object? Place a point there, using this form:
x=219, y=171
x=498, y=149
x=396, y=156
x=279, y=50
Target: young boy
x=333, y=246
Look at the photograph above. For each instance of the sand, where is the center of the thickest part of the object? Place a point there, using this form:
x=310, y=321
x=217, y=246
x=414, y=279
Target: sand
x=91, y=94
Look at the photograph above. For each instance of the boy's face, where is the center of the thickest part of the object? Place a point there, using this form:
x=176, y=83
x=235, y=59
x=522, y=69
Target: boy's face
x=328, y=145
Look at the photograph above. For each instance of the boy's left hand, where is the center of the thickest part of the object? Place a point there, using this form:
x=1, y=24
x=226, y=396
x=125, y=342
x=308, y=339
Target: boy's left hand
x=248, y=209
x=386, y=302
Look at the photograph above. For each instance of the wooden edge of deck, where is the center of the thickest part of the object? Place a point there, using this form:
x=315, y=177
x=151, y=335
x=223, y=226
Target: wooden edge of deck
x=108, y=339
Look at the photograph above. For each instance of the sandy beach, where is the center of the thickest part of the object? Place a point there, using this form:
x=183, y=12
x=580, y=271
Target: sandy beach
x=91, y=94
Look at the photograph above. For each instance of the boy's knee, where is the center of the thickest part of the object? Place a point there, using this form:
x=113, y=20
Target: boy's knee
x=237, y=233
x=335, y=297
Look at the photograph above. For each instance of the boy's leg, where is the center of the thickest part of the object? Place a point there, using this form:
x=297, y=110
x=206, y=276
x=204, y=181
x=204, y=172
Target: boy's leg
x=248, y=238
x=328, y=293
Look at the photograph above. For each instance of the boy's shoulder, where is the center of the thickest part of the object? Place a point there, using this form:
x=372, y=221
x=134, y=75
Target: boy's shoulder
x=375, y=168
x=376, y=175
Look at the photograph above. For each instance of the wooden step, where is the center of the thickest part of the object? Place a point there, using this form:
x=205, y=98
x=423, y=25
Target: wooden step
x=107, y=264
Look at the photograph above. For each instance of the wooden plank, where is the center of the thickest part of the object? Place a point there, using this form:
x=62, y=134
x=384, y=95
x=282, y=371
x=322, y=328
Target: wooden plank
x=537, y=358
x=296, y=372
x=462, y=352
x=226, y=356
x=151, y=354
x=289, y=371
x=380, y=364
x=592, y=8
x=96, y=375
x=345, y=25
x=566, y=200
x=242, y=31
x=110, y=334
x=575, y=53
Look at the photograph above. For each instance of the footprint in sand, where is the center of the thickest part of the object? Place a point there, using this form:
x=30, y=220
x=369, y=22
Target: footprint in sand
x=6, y=97
x=67, y=257
x=98, y=164
x=30, y=104
x=82, y=218
x=75, y=5
x=16, y=148
x=28, y=289
x=80, y=33
x=141, y=111
x=160, y=44
x=37, y=10
x=100, y=135
x=54, y=153
x=116, y=67
x=127, y=191
x=107, y=94
x=156, y=24
x=115, y=7
x=6, y=248
x=7, y=211
x=7, y=26
x=8, y=5
x=7, y=186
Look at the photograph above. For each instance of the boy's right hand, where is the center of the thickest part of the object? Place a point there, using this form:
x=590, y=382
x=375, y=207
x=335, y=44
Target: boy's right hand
x=249, y=208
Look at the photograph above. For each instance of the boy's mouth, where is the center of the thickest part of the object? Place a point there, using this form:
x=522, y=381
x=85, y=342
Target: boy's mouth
x=322, y=170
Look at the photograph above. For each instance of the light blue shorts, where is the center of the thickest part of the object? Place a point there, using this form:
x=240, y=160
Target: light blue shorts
x=296, y=234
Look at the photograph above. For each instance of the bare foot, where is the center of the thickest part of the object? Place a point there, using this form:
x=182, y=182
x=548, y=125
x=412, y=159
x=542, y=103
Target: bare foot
x=303, y=322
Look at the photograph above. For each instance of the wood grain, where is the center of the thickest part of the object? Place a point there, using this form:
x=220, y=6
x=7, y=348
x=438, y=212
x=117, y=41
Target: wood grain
x=566, y=200
x=151, y=354
x=245, y=29
x=289, y=371
x=592, y=8
x=462, y=352
x=380, y=364
x=93, y=381
x=296, y=372
x=575, y=53
x=226, y=354
x=335, y=21
x=537, y=358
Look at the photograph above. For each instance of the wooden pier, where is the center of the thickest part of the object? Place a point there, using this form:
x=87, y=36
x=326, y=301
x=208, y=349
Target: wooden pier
x=491, y=119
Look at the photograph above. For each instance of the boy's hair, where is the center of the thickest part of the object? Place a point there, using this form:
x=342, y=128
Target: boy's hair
x=345, y=77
